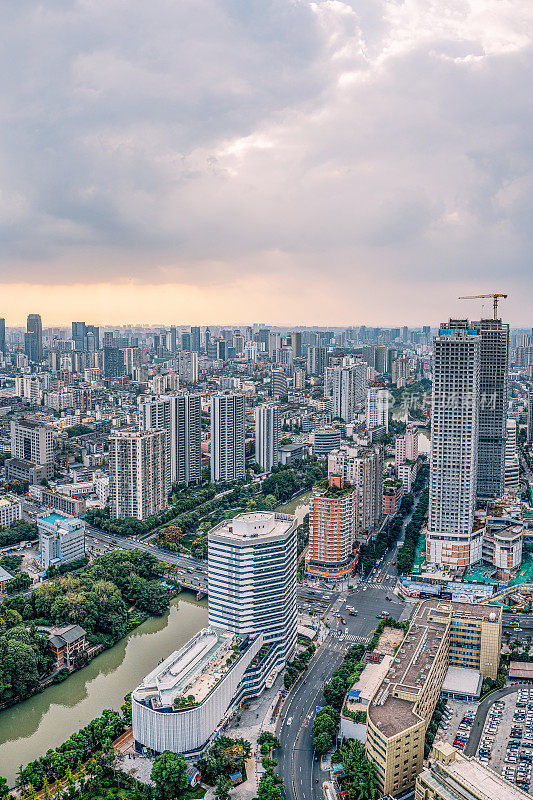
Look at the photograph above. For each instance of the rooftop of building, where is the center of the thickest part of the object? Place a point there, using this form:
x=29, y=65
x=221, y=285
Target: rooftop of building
x=255, y=525
x=480, y=781
x=7, y=500
x=4, y=575
x=188, y=675
x=332, y=492
x=53, y=517
x=414, y=658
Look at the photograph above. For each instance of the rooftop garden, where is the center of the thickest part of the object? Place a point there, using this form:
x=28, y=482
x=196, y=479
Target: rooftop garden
x=334, y=492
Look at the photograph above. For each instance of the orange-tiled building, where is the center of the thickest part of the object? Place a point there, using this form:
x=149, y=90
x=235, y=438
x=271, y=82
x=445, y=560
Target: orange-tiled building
x=332, y=551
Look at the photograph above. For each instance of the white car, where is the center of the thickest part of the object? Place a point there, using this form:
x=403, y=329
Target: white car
x=289, y=721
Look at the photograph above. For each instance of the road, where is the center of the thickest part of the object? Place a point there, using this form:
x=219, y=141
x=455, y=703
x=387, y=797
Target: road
x=297, y=767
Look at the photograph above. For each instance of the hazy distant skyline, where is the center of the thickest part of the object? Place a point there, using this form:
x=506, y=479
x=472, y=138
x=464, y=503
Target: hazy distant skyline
x=294, y=162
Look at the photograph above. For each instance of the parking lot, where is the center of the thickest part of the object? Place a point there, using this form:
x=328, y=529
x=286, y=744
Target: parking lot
x=507, y=741
x=457, y=722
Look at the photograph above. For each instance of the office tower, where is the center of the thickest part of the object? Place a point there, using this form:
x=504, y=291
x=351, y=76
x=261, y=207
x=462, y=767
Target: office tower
x=406, y=447
x=279, y=383
x=263, y=337
x=382, y=359
x=284, y=356
x=180, y=416
x=267, y=436
x=296, y=343
x=252, y=579
x=221, y=350
x=346, y=387
x=325, y=440
x=137, y=474
x=33, y=340
x=173, y=339
x=450, y=540
x=79, y=335
x=33, y=441
x=298, y=378
x=362, y=467
x=109, y=339
x=2, y=335
x=493, y=388
x=332, y=552
x=185, y=341
x=377, y=406
x=61, y=539
x=113, y=362
x=274, y=343
x=195, y=338
x=227, y=438
x=188, y=366
x=93, y=338
x=316, y=361
x=512, y=464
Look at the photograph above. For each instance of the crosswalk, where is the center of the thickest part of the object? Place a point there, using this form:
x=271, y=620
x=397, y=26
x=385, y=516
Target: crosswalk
x=351, y=637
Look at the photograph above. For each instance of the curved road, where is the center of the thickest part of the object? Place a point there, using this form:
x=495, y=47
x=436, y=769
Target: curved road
x=481, y=716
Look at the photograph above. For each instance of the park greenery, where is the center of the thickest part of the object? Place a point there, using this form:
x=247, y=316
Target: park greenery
x=298, y=665
x=406, y=553
x=79, y=749
x=11, y=562
x=78, y=430
x=359, y=779
x=96, y=597
x=18, y=531
x=169, y=775
x=225, y=757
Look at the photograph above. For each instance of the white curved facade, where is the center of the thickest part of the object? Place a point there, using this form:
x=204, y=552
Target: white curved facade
x=185, y=730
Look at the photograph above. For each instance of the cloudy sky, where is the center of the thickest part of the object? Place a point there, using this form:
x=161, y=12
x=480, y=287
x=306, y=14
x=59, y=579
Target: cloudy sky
x=286, y=161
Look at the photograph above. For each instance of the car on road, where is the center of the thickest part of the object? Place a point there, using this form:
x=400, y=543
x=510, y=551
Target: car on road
x=289, y=721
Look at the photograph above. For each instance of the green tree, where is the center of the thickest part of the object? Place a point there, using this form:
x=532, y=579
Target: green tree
x=169, y=775
x=4, y=788
x=269, y=787
x=222, y=787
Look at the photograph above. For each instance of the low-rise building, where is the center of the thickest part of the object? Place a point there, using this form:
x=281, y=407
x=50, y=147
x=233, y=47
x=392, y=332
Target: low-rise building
x=61, y=539
x=67, y=644
x=5, y=577
x=10, y=510
x=181, y=704
x=59, y=501
x=452, y=776
x=442, y=634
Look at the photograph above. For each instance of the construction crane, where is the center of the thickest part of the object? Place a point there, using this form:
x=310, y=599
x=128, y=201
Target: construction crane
x=495, y=298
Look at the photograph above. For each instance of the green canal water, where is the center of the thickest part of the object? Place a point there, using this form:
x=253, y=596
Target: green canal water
x=29, y=729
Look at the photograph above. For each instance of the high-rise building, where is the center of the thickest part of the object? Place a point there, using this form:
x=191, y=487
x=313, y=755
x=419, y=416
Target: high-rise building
x=325, y=440
x=362, y=467
x=252, y=565
x=377, y=406
x=227, y=437
x=2, y=335
x=451, y=541
x=512, y=464
x=180, y=416
x=113, y=362
x=267, y=436
x=185, y=341
x=188, y=366
x=406, y=447
x=530, y=416
x=32, y=444
x=296, y=342
x=316, y=361
x=346, y=387
x=137, y=473
x=332, y=550
x=195, y=339
x=493, y=388
x=279, y=383
x=33, y=340
x=79, y=335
